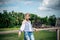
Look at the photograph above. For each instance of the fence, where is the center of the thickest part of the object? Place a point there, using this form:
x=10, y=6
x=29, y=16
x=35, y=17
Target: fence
x=55, y=28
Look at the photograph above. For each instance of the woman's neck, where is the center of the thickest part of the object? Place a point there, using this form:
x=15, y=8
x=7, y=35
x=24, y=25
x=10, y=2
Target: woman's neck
x=26, y=19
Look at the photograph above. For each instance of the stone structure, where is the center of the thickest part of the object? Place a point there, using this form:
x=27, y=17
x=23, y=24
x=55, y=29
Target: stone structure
x=58, y=22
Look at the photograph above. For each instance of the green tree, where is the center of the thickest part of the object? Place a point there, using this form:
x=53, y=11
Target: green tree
x=52, y=20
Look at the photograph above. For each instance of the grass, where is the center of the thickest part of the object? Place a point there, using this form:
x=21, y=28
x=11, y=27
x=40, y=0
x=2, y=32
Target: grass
x=40, y=35
x=8, y=29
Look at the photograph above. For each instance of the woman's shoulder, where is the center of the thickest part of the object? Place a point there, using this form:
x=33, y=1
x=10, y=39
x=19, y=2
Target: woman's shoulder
x=23, y=21
x=29, y=21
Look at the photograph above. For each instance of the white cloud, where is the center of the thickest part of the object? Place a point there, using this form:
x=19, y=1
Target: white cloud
x=42, y=8
x=8, y=1
x=49, y=5
x=28, y=2
x=15, y=8
x=15, y=1
x=45, y=2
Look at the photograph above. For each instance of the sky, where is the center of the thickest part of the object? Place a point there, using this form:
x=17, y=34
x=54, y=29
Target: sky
x=42, y=8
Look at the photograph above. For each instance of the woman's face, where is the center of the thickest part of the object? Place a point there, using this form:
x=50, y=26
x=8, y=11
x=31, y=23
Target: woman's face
x=27, y=16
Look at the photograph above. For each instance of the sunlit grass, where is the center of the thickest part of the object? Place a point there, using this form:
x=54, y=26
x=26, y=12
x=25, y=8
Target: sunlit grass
x=8, y=29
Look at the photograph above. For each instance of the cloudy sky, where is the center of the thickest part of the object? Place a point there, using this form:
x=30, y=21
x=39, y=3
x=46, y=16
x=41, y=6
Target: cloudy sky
x=40, y=7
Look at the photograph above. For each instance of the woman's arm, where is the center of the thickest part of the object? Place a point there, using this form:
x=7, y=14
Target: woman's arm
x=19, y=33
x=21, y=29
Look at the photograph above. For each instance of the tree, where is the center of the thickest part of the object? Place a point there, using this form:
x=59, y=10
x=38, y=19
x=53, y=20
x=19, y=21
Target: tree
x=52, y=20
x=4, y=19
x=14, y=19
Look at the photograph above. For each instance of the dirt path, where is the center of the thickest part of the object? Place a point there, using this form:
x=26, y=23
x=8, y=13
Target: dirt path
x=6, y=32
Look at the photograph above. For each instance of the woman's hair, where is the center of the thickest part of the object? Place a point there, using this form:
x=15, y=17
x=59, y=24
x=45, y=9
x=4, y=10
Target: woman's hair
x=26, y=14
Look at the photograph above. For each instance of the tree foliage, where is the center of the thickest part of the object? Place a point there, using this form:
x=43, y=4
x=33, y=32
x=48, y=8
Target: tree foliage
x=11, y=19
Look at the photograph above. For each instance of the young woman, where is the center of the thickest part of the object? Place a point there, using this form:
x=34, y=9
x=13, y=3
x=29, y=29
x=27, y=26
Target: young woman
x=27, y=28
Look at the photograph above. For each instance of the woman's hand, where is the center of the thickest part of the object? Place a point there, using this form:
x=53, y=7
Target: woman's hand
x=34, y=29
x=19, y=34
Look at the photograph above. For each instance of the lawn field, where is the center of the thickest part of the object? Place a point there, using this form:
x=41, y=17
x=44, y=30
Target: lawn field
x=8, y=29
x=39, y=35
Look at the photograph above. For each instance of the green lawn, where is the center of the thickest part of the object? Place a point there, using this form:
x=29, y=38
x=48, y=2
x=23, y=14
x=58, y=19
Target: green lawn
x=41, y=35
x=8, y=29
